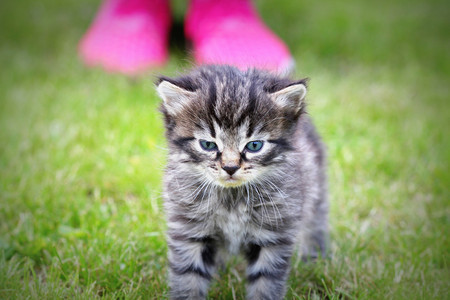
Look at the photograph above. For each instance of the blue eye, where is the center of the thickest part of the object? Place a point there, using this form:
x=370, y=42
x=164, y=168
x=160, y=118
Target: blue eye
x=254, y=146
x=208, y=146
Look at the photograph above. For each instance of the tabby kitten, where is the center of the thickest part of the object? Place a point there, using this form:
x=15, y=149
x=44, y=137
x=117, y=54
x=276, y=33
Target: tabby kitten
x=245, y=174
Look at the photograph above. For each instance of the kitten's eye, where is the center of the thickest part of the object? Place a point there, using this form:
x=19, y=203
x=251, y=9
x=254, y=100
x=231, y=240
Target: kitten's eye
x=254, y=146
x=208, y=146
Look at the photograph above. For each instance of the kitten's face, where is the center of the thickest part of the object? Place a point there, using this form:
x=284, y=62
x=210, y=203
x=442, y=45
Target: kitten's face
x=231, y=158
x=225, y=127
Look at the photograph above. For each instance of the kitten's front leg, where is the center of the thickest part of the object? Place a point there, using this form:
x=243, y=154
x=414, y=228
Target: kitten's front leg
x=191, y=266
x=267, y=271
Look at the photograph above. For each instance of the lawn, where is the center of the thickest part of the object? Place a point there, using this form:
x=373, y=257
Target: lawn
x=82, y=153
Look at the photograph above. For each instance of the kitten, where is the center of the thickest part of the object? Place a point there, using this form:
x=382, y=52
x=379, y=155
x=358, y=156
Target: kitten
x=245, y=174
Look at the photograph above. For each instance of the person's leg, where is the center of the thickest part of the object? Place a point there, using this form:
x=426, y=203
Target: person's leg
x=231, y=32
x=128, y=36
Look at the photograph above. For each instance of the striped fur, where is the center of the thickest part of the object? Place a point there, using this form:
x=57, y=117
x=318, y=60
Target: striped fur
x=265, y=205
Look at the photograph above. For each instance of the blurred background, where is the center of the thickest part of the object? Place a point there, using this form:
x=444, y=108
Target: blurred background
x=82, y=152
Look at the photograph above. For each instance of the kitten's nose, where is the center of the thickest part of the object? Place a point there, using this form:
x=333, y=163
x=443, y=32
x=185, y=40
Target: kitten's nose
x=230, y=169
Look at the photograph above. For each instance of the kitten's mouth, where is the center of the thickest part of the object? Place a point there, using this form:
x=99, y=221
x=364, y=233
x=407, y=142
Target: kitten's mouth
x=230, y=182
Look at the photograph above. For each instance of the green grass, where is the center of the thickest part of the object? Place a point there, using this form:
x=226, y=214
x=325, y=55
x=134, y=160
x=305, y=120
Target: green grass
x=82, y=153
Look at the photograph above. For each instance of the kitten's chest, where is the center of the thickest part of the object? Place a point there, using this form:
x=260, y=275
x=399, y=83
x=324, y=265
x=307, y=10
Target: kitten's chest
x=232, y=224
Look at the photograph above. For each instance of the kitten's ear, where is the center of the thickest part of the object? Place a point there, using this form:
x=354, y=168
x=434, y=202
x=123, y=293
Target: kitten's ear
x=291, y=97
x=174, y=97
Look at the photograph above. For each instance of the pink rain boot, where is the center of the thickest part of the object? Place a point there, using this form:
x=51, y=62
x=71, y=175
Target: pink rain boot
x=128, y=36
x=231, y=32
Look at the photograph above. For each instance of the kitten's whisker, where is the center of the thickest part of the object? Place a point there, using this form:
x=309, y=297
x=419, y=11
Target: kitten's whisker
x=185, y=184
x=276, y=189
x=263, y=206
x=272, y=203
x=196, y=192
x=209, y=188
x=198, y=189
x=251, y=201
x=247, y=201
x=280, y=192
x=205, y=187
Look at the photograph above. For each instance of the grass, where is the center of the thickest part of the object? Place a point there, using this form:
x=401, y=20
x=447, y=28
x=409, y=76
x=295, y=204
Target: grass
x=82, y=153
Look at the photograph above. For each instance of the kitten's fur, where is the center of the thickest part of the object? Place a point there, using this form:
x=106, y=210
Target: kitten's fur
x=272, y=205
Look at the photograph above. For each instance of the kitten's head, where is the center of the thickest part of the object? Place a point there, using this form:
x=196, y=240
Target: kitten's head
x=230, y=127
